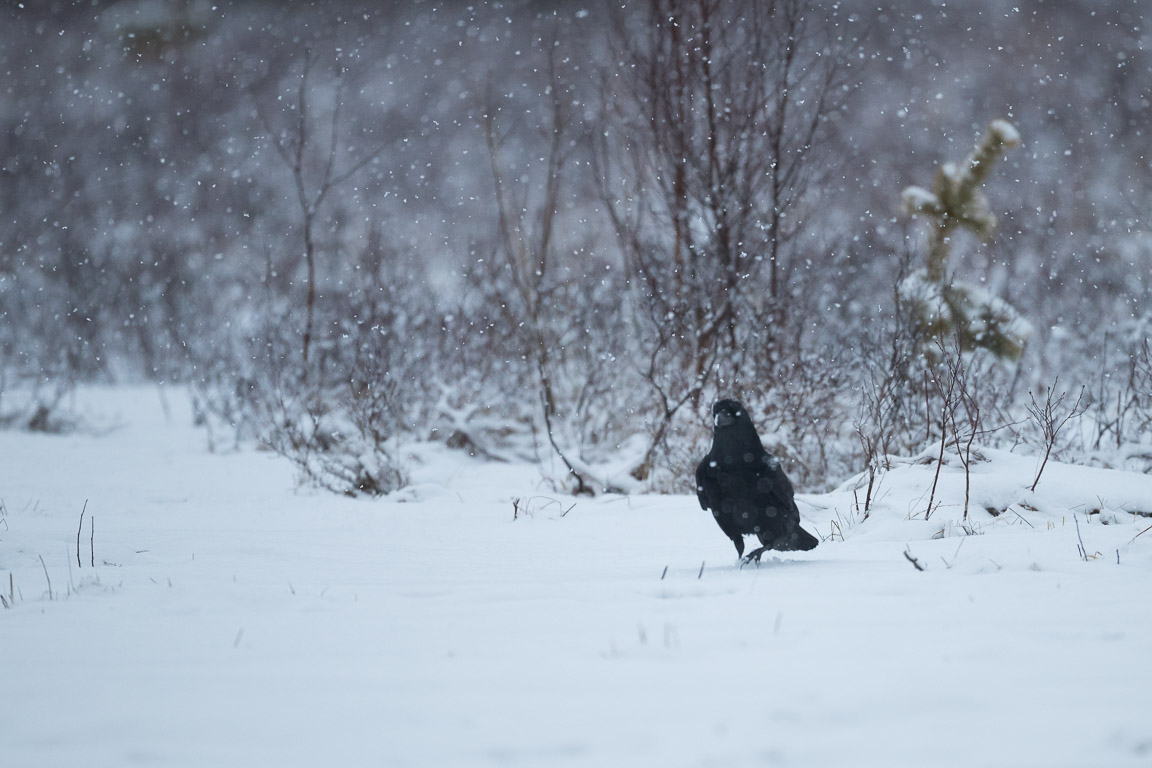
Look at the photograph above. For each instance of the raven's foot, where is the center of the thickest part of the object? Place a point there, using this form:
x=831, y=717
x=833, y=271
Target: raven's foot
x=753, y=557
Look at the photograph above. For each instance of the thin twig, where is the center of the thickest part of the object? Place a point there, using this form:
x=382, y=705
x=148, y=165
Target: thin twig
x=1083, y=551
x=955, y=554
x=1149, y=528
x=46, y=577
x=701, y=570
x=1046, y=417
x=913, y=560
x=1022, y=517
x=79, y=528
x=936, y=476
x=92, y=540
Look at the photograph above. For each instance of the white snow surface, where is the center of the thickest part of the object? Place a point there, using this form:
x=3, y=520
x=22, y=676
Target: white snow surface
x=235, y=620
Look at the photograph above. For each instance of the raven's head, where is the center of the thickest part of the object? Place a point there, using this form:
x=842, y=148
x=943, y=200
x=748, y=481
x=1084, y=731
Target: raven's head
x=733, y=428
x=726, y=413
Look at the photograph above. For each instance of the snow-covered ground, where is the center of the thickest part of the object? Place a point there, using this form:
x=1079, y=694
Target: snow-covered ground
x=233, y=620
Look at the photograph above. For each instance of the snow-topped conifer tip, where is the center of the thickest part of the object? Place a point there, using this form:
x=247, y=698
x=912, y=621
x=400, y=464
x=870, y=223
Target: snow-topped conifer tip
x=1005, y=132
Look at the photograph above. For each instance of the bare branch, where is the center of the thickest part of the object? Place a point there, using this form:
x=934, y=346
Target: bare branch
x=1051, y=421
x=79, y=528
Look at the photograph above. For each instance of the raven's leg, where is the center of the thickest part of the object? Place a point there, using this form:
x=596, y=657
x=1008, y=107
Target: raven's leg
x=738, y=540
x=754, y=555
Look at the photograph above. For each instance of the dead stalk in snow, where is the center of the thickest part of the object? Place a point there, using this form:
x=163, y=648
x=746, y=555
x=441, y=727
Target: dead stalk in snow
x=80, y=528
x=868, y=443
x=915, y=563
x=46, y=577
x=960, y=410
x=948, y=404
x=1047, y=417
x=1083, y=551
x=1149, y=528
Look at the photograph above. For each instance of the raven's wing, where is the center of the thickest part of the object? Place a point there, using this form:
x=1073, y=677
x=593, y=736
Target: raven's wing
x=709, y=494
x=707, y=488
x=774, y=490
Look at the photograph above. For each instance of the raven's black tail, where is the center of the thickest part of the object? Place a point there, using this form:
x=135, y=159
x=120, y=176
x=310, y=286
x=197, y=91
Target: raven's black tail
x=796, y=539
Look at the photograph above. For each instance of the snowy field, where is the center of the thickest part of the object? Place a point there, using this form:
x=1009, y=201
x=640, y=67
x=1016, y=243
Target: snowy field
x=233, y=620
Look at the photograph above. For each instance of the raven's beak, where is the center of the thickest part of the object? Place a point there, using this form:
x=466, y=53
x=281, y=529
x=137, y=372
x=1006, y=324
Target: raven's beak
x=725, y=419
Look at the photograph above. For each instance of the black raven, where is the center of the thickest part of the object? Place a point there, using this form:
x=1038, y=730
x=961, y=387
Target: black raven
x=745, y=488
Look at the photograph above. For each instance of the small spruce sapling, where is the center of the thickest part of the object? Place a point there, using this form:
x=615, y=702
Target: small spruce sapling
x=945, y=306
